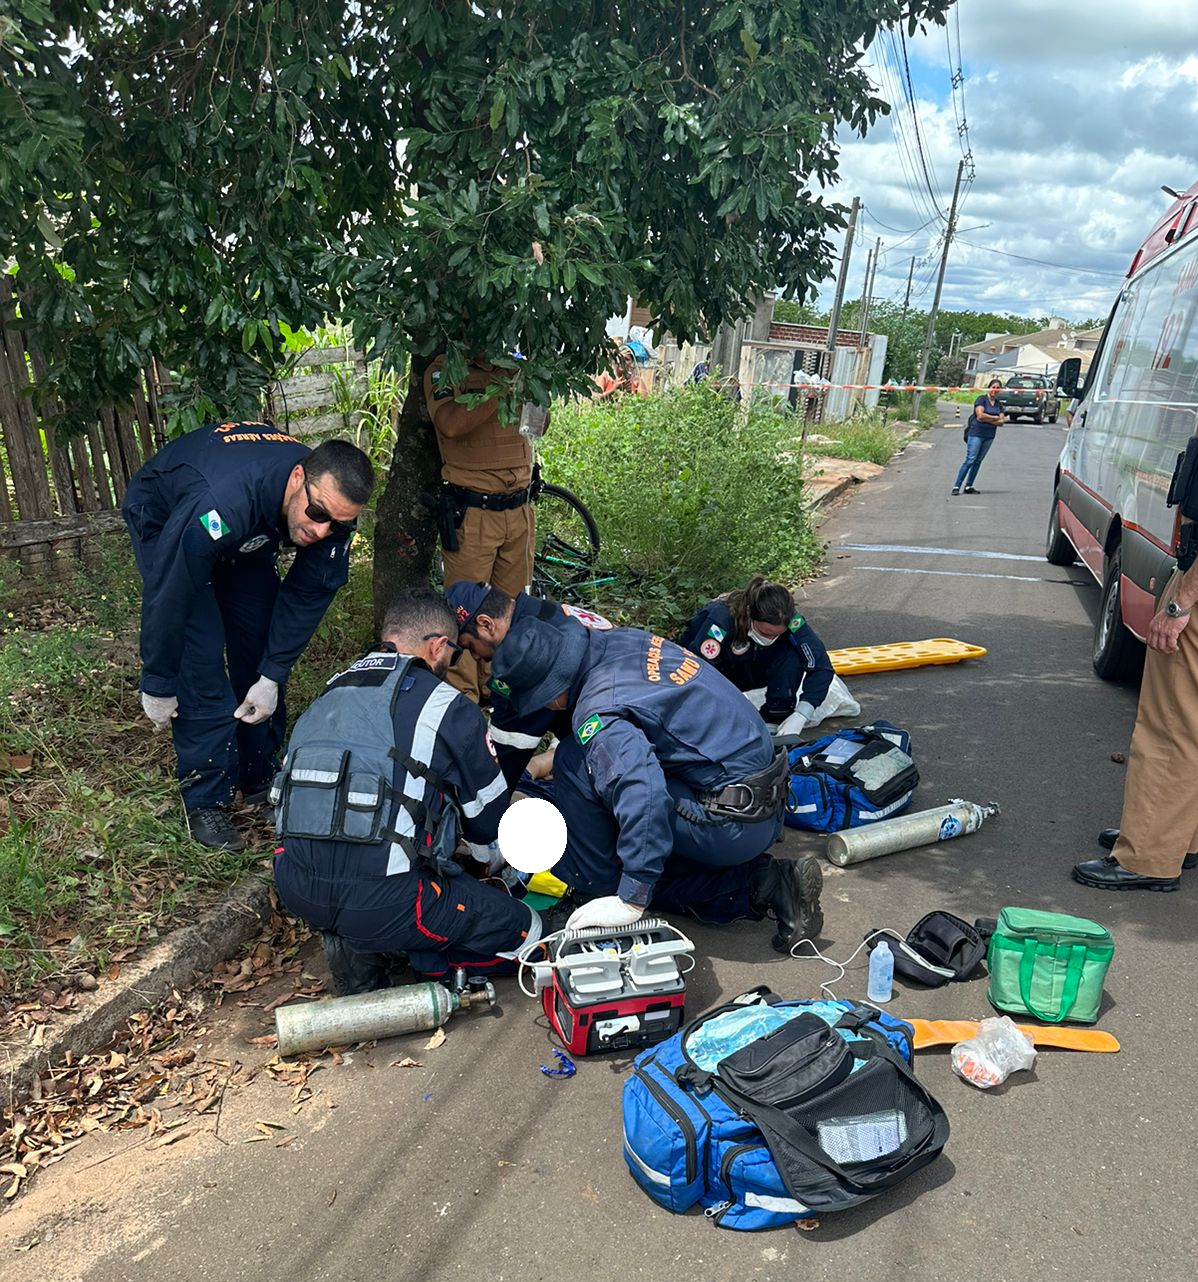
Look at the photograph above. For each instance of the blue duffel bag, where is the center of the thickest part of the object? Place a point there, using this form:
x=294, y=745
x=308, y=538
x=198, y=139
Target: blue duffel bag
x=850, y=778
x=766, y=1111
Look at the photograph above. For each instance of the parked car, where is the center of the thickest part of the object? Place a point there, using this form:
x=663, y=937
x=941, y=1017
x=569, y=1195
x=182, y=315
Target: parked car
x=1030, y=396
x=1134, y=415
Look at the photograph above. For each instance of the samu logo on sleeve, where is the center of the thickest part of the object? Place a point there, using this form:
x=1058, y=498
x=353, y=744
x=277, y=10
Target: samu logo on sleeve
x=589, y=729
x=212, y=522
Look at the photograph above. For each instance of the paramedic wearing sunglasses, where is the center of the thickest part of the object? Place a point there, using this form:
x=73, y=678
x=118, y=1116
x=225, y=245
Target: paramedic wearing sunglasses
x=668, y=781
x=219, y=630
x=391, y=766
x=756, y=638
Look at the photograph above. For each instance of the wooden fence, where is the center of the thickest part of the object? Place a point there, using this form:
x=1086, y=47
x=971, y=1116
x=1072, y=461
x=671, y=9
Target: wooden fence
x=55, y=497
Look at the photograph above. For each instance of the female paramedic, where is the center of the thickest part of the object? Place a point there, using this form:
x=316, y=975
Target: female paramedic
x=756, y=638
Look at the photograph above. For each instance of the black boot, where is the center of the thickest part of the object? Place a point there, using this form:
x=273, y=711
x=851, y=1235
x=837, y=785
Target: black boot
x=554, y=917
x=789, y=890
x=1108, y=836
x=360, y=972
x=212, y=827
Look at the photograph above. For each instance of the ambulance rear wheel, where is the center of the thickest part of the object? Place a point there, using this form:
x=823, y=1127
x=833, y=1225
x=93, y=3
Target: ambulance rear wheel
x=1117, y=654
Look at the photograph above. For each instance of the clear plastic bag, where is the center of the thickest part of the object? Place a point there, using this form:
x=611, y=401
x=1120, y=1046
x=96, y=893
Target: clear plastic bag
x=993, y=1054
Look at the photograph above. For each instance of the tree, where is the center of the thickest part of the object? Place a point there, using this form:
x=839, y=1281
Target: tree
x=442, y=175
x=950, y=371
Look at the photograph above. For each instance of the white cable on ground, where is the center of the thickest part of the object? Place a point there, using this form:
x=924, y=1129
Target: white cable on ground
x=842, y=967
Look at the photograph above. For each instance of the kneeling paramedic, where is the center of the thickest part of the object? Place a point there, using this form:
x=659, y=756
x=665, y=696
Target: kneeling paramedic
x=669, y=783
x=485, y=615
x=382, y=774
x=756, y=638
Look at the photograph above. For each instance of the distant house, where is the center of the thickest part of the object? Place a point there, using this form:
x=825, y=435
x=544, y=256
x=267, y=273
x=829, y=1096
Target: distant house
x=1039, y=353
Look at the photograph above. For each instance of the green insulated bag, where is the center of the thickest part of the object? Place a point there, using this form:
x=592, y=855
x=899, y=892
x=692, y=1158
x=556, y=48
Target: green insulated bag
x=1048, y=965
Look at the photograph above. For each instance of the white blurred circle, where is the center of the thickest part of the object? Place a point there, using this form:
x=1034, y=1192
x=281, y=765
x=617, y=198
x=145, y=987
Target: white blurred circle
x=532, y=835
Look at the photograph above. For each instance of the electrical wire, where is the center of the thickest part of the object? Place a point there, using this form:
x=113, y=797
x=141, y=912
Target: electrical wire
x=865, y=209
x=1064, y=267
x=933, y=191
x=890, y=85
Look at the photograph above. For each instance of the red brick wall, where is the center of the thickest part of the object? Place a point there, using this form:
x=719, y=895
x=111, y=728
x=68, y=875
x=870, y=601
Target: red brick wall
x=780, y=332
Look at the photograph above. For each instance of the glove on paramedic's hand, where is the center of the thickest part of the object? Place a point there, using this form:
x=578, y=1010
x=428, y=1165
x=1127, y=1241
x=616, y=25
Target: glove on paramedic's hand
x=489, y=856
x=261, y=699
x=797, y=722
x=160, y=710
x=608, y=911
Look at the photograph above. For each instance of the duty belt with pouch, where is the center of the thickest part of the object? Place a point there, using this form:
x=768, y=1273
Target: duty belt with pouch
x=756, y=797
x=449, y=505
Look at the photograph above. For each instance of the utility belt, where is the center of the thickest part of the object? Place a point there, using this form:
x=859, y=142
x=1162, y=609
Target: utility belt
x=449, y=505
x=756, y=797
x=1187, y=546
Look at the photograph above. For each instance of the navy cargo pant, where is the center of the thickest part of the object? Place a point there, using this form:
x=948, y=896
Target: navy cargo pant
x=439, y=922
x=708, y=873
x=226, y=635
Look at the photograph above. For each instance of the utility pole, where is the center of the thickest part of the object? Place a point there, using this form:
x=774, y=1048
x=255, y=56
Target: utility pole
x=948, y=240
x=870, y=277
x=841, y=280
x=907, y=295
x=834, y=322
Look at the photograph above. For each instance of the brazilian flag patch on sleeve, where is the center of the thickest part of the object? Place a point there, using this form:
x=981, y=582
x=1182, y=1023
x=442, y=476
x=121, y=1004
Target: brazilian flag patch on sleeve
x=589, y=729
x=500, y=687
x=797, y=622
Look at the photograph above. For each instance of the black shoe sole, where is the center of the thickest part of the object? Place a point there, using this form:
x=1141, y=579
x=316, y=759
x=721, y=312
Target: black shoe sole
x=1163, y=888
x=808, y=878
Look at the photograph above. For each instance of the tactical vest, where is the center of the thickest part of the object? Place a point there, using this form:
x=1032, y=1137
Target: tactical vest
x=337, y=782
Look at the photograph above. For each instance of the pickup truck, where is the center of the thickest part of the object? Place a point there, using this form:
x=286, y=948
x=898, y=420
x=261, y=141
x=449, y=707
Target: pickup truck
x=1030, y=396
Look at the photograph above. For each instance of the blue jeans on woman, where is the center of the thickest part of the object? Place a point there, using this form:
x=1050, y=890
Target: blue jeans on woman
x=976, y=449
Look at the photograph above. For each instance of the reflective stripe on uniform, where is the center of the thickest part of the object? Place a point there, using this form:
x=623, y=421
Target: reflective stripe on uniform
x=424, y=742
x=512, y=739
x=496, y=788
x=532, y=936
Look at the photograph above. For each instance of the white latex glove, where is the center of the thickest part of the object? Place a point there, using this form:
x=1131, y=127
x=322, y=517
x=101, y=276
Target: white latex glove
x=160, y=710
x=797, y=722
x=610, y=910
x=487, y=855
x=261, y=699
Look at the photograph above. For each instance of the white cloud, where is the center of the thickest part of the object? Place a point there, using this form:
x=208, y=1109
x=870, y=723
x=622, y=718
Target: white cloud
x=1076, y=117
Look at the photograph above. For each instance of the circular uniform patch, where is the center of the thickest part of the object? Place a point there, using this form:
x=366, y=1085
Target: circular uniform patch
x=252, y=545
x=740, y=647
x=710, y=649
x=588, y=618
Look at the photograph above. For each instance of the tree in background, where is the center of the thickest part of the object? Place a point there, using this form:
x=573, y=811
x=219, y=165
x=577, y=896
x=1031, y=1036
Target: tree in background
x=950, y=371
x=197, y=177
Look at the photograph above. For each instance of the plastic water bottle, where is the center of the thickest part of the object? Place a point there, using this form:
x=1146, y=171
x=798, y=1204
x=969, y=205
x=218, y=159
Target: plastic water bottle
x=881, y=974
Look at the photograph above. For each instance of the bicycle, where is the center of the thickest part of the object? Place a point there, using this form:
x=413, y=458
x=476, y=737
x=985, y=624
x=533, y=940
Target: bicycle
x=566, y=556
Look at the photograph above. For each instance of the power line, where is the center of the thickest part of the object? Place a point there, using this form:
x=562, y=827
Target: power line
x=1064, y=267
x=890, y=84
x=923, y=160
x=898, y=230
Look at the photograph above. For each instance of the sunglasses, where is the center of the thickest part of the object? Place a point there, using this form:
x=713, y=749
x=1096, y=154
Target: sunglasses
x=318, y=514
x=453, y=645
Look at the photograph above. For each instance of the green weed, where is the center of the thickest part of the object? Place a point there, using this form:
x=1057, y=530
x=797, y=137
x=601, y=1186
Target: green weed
x=865, y=437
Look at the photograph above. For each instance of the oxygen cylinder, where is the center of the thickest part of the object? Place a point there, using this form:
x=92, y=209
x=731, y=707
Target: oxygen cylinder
x=307, y=1026
x=957, y=819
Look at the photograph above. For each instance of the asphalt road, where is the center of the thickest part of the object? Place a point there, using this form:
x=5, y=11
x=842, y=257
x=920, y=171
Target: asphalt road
x=477, y=1166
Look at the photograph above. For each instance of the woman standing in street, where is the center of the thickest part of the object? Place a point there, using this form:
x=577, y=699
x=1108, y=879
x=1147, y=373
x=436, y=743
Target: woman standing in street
x=984, y=423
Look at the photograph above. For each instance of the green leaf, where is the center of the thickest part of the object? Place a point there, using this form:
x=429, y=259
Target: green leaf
x=751, y=47
x=497, y=105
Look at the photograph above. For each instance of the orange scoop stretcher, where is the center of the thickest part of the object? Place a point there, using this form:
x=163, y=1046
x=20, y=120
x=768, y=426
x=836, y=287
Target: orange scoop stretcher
x=948, y=1032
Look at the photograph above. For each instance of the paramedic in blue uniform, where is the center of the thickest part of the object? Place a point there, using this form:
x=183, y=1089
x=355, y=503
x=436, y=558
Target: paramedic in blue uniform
x=756, y=638
x=668, y=782
x=219, y=630
x=485, y=614
x=373, y=900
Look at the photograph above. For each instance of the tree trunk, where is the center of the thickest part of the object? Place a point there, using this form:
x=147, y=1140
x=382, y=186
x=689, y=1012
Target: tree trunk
x=405, y=537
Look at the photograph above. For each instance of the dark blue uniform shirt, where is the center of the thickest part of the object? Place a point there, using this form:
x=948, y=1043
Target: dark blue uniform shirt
x=647, y=712
x=797, y=658
x=217, y=494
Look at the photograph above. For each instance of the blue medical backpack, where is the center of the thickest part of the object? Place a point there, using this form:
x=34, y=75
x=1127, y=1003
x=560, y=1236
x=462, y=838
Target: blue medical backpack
x=755, y=1158
x=850, y=778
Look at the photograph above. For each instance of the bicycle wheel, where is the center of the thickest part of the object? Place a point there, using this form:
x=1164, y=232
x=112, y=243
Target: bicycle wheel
x=567, y=545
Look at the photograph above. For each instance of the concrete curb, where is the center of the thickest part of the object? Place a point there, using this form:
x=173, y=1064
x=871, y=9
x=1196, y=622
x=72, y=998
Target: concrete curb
x=144, y=982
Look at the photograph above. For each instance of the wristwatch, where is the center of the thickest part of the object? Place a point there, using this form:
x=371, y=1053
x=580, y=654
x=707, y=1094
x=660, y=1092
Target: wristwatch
x=1173, y=610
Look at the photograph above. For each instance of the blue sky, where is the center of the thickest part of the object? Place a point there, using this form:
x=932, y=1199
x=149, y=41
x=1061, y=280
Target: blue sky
x=1076, y=115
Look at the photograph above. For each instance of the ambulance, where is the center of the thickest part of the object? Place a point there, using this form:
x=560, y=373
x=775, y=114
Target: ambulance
x=1136, y=410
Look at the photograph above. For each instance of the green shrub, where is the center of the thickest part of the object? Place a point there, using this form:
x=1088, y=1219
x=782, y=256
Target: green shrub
x=689, y=490
x=864, y=437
